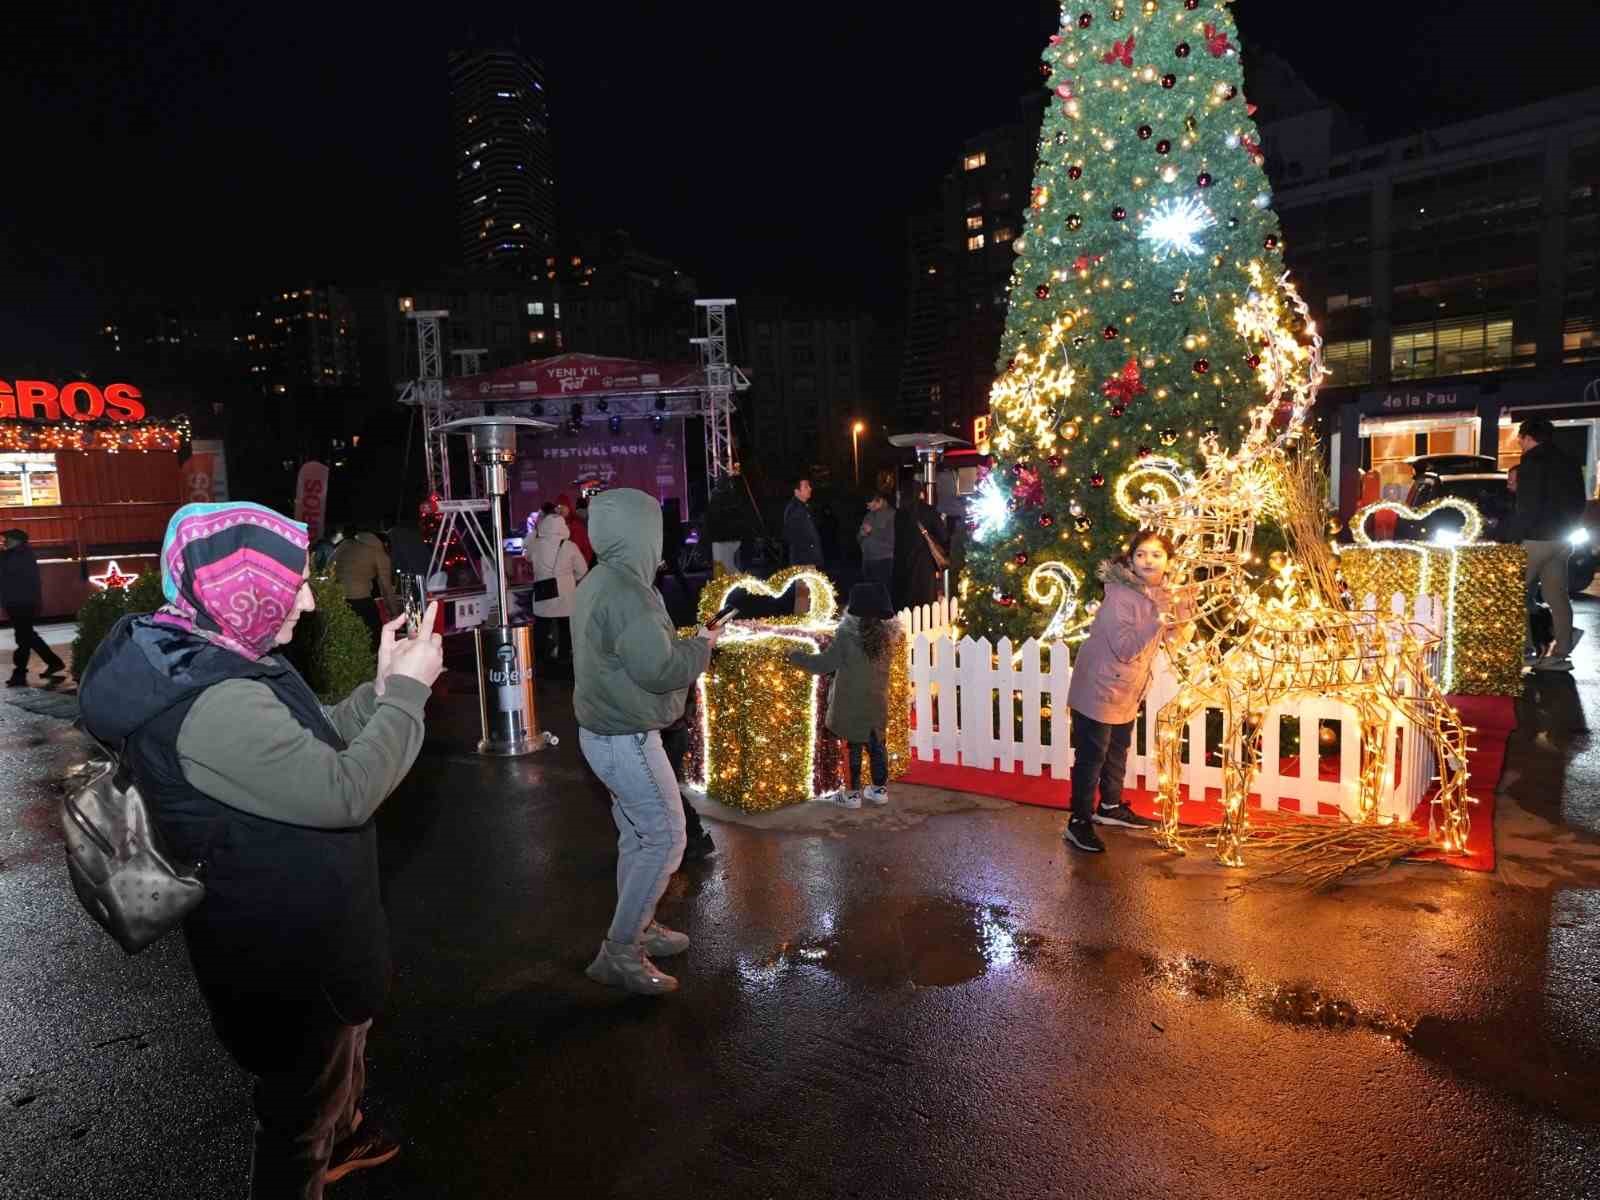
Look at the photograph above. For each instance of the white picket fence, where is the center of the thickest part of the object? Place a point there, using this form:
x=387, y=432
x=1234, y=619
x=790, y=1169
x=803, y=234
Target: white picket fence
x=934, y=619
x=967, y=698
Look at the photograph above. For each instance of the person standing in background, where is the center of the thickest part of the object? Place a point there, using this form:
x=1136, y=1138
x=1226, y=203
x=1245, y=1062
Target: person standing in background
x=877, y=541
x=577, y=525
x=801, y=538
x=22, y=595
x=919, y=545
x=557, y=568
x=362, y=567
x=1550, y=505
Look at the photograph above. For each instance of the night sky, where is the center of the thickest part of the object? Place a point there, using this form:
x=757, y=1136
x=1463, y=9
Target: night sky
x=212, y=151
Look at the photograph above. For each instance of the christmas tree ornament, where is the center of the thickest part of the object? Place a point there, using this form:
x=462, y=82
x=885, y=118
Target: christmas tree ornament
x=1181, y=49
x=1097, y=480
x=1020, y=558
x=1191, y=5
x=1145, y=133
x=1085, y=20
x=1216, y=41
x=1074, y=172
x=1120, y=52
x=1118, y=213
x=1053, y=461
x=1083, y=524
x=1074, y=221
x=1075, y=508
x=1046, y=520
x=1109, y=333
x=1203, y=179
x=1169, y=81
x=1163, y=147
x=1202, y=366
x=1042, y=291
x=1169, y=437
x=1145, y=451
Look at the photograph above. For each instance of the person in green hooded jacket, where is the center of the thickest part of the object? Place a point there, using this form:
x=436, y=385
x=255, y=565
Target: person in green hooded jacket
x=632, y=675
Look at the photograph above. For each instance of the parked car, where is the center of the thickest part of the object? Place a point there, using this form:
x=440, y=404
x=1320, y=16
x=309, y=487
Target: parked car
x=1489, y=493
x=1451, y=464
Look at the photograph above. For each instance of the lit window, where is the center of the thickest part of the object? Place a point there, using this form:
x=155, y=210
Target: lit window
x=1002, y=235
x=975, y=222
x=557, y=309
x=975, y=242
x=29, y=481
x=536, y=308
x=407, y=304
x=536, y=335
x=973, y=161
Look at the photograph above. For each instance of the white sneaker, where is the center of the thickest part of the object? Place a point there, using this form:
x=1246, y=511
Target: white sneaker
x=847, y=799
x=876, y=795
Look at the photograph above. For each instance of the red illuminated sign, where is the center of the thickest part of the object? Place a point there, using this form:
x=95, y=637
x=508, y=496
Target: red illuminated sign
x=41, y=400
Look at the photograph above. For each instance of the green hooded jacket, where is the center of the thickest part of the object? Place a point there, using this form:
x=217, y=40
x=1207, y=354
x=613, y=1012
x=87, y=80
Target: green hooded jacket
x=632, y=669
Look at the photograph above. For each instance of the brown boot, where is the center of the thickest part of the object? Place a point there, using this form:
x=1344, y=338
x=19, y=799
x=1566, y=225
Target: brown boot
x=626, y=966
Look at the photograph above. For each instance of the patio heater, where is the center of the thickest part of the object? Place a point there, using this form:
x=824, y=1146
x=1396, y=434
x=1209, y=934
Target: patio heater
x=505, y=651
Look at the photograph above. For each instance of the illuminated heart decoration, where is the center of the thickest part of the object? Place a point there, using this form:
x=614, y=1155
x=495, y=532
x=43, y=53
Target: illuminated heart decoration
x=824, y=600
x=1470, y=531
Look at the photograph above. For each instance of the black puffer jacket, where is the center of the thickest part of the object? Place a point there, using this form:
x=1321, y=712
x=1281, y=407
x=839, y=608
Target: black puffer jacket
x=1550, y=499
x=292, y=927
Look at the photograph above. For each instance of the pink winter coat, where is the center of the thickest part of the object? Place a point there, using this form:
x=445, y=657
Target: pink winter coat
x=1114, y=664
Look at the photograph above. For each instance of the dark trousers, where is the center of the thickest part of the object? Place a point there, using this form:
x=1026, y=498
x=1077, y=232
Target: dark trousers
x=675, y=741
x=878, y=753
x=1100, y=757
x=880, y=570
x=367, y=610
x=29, y=643
x=552, y=645
x=307, y=1099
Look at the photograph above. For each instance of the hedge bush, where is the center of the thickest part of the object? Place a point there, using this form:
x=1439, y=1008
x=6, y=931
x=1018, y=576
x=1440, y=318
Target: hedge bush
x=331, y=647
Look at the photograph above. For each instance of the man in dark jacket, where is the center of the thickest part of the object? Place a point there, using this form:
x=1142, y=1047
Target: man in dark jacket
x=21, y=596
x=801, y=536
x=1550, y=503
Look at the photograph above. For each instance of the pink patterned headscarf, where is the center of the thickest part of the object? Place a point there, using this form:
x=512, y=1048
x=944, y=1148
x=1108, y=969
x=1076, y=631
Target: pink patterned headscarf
x=231, y=573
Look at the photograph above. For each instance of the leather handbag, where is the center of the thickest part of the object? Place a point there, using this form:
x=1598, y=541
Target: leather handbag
x=549, y=589
x=122, y=874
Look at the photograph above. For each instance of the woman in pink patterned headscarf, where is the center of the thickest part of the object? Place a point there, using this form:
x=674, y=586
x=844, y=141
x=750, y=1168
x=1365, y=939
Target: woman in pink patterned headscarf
x=248, y=775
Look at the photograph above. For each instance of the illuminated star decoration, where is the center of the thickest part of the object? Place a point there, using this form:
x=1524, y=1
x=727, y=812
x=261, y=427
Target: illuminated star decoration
x=1173, y=224
x=114, y=577
x=990, y=508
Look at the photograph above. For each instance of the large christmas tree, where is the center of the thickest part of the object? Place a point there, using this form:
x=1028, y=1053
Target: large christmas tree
x=1149, y=236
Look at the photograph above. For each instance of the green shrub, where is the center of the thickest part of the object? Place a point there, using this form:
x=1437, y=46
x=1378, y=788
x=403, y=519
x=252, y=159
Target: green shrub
x=105, y=608
x=331, y=647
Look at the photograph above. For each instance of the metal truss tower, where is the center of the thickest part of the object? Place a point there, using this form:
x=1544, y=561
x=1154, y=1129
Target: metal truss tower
x=723, y=379
x=426, y=391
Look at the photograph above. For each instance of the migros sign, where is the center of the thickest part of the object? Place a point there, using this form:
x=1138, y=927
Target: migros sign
x=41, y=400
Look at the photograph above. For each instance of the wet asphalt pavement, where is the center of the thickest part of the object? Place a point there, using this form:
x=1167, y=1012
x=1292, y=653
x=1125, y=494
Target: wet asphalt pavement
x=958, y=1009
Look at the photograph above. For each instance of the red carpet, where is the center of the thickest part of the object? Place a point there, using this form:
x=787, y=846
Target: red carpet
x=1492, y=717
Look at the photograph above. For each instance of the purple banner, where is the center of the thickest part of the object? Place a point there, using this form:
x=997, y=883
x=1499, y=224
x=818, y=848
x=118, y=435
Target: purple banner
x=552, y=464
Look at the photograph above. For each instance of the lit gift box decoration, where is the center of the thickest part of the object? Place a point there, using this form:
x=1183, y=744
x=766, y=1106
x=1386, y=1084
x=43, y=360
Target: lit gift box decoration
x=760, y=743
x=1480, y=585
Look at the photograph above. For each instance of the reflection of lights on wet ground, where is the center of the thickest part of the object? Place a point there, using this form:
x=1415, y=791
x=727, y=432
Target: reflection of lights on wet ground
x=997, y=943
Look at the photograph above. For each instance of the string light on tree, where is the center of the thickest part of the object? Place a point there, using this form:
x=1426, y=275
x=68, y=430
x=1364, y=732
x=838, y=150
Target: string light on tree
x=1173, y=225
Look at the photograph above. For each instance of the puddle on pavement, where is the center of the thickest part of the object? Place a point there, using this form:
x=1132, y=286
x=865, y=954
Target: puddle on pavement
x=930, y=941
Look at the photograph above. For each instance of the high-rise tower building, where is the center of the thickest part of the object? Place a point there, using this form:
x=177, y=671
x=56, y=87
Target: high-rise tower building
x=505, y=165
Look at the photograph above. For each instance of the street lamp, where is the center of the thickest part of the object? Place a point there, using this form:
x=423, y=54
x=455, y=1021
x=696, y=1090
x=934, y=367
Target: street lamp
x=856, y=431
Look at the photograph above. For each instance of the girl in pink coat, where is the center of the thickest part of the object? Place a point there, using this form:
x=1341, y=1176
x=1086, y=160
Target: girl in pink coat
x=1109, y=679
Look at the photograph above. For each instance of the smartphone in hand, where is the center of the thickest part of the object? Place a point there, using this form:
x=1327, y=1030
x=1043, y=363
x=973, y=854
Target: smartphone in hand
x=416, y=603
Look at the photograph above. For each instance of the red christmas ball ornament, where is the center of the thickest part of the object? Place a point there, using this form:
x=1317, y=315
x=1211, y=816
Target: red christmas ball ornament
x=1163, y=147
x=1075, y=171
x=1254, y=360
x=1085, y=20
x=1020, y=558
x=1181, y=49
x=1270, y=242
x=1109, y=333
x=1042, y=291
x=1017, y=468
x=1191, y=5
x=1118, y=409
x=1145, y=133
x=1046, y=520
x=1005, y=601
x=1074, y=221
x=1145, y=451
x=1203, y=179
x=1054, y=460
x=1169, y=81
x=1230, y=93
x=1097, y=480
x=1046, y=70
x=1118, y=213
x=1202, y=366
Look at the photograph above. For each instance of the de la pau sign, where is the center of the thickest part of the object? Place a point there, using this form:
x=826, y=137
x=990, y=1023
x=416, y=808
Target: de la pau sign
x=41, y=400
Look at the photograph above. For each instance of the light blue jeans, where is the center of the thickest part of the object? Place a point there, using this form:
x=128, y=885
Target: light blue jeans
x=649, y=816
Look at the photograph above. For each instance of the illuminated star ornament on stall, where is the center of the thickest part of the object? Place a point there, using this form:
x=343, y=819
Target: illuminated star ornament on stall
x=1150, y=226
x=113, y=578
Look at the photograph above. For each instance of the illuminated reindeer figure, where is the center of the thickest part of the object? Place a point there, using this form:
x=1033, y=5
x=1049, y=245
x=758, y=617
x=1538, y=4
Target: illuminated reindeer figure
x=1296, y=636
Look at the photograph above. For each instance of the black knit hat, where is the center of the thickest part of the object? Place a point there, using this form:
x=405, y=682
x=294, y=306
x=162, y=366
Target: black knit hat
x=870, y=600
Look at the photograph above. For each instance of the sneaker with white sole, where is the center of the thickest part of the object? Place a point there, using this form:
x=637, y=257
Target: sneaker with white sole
x=847, y=799
x=876, y=795
x=1080, y=835
x=1122, y=816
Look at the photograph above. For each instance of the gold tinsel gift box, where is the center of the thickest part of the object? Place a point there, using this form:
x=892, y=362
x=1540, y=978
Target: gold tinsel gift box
x=759, y=742
x=1480, y=586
